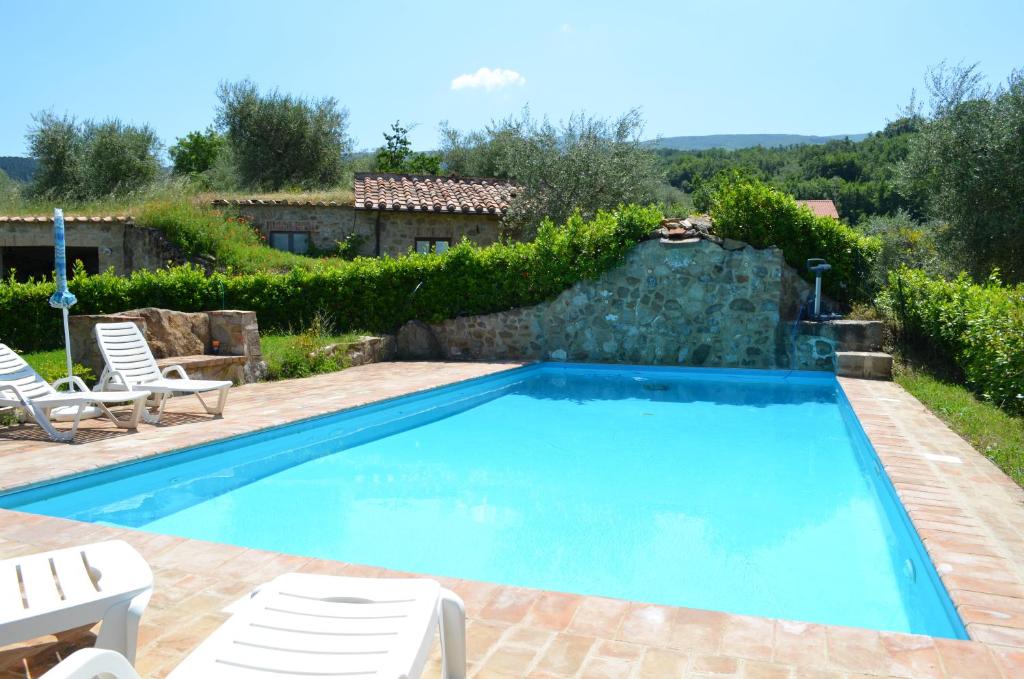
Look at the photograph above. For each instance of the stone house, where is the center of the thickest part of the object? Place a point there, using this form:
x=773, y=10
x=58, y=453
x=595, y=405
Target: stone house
x=26, y=245
x=390, y=215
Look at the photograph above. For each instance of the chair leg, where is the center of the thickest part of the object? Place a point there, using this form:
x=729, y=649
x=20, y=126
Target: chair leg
x=159, y=401
x=132, y=422
x=119, y=630
x=453, y=635
x=42, y=418
x=222, y=399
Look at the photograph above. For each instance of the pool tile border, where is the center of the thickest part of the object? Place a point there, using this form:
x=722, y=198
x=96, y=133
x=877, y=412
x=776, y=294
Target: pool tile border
x=966, y=511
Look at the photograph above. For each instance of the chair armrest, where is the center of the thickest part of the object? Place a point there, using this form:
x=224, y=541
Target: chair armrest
x=92, y=662
x=74, y=379
x=18, y=394
x=112, y=380
x=175, y=369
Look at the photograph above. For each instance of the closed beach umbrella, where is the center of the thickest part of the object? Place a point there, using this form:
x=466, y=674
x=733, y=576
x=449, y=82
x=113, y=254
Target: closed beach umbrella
x=62, y=299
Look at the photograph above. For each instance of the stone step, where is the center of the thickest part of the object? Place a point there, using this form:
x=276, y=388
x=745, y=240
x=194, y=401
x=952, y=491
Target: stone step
x=872, y=365
x=847, y=335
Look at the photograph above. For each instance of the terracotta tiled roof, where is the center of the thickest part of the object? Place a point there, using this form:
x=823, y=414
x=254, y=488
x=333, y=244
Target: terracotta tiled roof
x=68, y=219
x=822, y=208
x=424, y=193
x=260, y=201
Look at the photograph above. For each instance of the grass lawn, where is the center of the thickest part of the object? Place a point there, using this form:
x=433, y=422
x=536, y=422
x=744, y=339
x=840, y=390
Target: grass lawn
x=993, y=432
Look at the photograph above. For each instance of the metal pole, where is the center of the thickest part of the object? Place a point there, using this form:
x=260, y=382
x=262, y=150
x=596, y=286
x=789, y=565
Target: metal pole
x=817, y=295
x=67, y=351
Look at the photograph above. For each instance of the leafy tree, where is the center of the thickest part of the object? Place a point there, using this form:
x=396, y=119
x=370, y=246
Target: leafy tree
x=57, y=144
x=586, y=164
x=119, y=158
x=89, y=159
x=968, y=159
x=280, y=140
x=9, y=189
x=398, y=157
x=197, y=152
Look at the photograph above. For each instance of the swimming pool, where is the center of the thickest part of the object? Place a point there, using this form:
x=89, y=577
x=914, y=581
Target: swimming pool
x=750, y=492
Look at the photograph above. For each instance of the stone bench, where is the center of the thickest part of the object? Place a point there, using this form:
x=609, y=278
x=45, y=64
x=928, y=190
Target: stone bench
x=183, y=338
x=208, y=366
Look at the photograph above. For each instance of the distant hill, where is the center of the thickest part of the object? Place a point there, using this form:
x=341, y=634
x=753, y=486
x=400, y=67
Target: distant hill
x=18, y=169
x=742, y=141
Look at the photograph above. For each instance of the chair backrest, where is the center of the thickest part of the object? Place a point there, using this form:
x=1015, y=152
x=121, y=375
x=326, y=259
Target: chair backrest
x=14, y=370
x=125, y=351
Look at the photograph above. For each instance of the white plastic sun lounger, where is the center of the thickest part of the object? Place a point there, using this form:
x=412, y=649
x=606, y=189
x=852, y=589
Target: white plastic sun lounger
x=52, y=592
x=130, y=364
x=302, y=625
x=23, y=388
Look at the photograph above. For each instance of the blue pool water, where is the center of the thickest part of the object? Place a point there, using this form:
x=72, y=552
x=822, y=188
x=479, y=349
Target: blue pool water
x=747, y=492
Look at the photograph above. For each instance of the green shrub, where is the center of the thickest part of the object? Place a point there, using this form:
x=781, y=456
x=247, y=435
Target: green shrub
x=305, y=354
x=375, y=294
x=980, y=328
x=748, y=210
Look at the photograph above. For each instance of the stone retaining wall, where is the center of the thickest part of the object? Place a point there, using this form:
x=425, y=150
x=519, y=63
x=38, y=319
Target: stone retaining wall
x=693, y=303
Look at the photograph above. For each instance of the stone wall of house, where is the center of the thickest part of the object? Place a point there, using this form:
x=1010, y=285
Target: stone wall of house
x=106, y=235
x=329, y=223
x=693, y=303
x=119, y=243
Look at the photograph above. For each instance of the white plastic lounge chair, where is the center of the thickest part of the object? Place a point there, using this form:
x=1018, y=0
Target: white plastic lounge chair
x=23, y=388
x=52, y=592
x=130, y=364
x=302, y=625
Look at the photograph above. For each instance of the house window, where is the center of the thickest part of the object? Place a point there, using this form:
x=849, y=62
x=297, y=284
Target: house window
x=427, y=245
x=292, y=241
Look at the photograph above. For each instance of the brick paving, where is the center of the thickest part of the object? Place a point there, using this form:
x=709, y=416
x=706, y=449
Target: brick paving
x=969, y=514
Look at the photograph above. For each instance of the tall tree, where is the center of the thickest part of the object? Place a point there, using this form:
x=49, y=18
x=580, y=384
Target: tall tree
x=585, y=163
x=968, y=159
x=57, y=144
x=398, y=157
x=89, y=159
x=197, y=152
x=279, y=140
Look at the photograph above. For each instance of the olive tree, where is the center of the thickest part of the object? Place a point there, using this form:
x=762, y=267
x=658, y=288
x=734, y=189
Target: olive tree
x=585, y=163
x=279, y=140
x=968, y=161
x=91, y=159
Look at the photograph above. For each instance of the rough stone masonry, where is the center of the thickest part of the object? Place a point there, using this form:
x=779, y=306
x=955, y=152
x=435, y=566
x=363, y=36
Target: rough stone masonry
x=695, y=302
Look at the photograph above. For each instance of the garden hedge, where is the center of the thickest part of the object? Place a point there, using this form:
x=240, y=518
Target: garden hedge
x=375, y=294
x=979, y=328
x=753, y=212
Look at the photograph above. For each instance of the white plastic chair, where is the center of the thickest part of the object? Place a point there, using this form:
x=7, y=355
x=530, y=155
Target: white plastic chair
x=23, y=388
x=52, y=592
x=303, y=625
x=130, y=364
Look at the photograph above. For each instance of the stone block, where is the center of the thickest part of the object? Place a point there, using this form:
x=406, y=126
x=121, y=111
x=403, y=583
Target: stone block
x=416, y=342
x=239, y=335
x=174, y=333
x=872, y=365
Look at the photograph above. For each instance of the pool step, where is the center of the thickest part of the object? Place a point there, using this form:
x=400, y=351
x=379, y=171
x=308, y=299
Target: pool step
x=873, y=365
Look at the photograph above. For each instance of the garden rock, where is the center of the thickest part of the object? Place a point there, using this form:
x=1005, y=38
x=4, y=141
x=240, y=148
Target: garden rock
x=417, y=342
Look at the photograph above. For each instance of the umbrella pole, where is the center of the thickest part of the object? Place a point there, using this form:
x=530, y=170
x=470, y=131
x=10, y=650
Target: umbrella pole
x=67, y=351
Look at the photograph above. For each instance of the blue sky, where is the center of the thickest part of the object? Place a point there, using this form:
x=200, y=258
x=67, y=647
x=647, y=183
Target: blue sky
x=692, y=67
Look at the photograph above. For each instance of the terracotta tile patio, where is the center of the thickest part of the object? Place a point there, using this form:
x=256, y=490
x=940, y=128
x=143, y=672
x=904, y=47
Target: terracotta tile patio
x=970, y=515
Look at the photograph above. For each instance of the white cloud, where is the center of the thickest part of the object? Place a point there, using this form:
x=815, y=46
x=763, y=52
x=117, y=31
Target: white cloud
x=567, y=28
x=488, y=79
